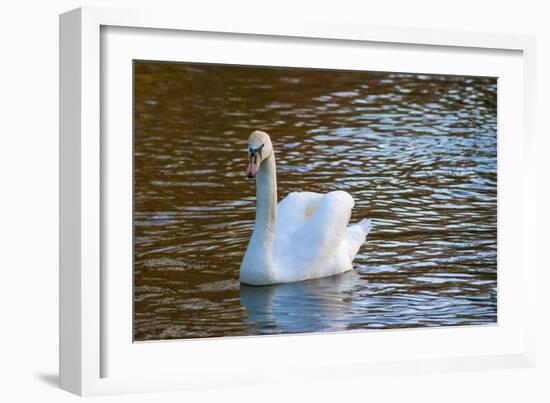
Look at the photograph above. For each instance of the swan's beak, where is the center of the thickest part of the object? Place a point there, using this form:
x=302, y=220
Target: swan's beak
x=253, y=166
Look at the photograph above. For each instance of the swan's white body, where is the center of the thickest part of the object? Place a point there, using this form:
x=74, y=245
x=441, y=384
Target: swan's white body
x=305, y=236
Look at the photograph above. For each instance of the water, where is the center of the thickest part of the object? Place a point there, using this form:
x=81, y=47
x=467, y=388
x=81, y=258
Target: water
x=417, y=153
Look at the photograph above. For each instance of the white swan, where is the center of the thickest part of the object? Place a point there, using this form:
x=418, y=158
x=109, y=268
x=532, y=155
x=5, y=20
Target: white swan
x=306, y=236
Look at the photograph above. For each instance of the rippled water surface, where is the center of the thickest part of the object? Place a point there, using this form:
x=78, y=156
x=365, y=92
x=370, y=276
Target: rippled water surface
x=417, y=153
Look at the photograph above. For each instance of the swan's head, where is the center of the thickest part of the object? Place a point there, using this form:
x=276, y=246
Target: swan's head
x=259, y=149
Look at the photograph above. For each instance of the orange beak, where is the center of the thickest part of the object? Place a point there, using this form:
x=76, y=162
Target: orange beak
x=253, y=166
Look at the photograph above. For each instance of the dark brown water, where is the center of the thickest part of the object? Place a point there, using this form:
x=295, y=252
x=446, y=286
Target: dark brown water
x=417, y=153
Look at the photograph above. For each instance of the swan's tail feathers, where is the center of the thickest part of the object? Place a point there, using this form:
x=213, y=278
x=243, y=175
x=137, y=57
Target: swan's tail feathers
x=356, y=236
x=365, y=225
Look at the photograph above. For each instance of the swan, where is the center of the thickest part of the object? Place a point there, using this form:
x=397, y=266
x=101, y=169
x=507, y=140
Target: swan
x=305, y=236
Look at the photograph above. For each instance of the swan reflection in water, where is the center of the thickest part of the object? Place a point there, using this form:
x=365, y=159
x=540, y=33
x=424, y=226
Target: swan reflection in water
x=323, y=304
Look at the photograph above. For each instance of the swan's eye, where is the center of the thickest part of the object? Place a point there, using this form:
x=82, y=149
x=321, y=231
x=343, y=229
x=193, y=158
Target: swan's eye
x=254, y=151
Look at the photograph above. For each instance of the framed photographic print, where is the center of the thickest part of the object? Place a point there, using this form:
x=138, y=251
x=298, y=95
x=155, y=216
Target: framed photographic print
x=233, y=191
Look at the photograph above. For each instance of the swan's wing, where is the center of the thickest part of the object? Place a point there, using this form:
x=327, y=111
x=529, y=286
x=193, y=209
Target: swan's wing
x=295, y=210
x=310, y=229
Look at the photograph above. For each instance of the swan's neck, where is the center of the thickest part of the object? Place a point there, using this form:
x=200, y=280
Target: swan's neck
x=266, y=202
x=257, y=266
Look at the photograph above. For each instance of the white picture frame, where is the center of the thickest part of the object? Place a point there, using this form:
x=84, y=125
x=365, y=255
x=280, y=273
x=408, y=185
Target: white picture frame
x=85, y=307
